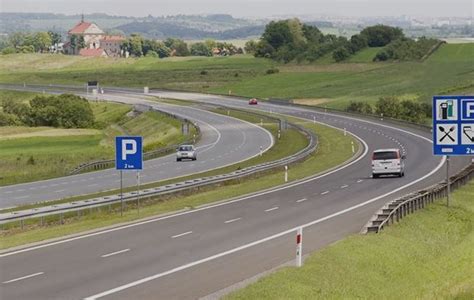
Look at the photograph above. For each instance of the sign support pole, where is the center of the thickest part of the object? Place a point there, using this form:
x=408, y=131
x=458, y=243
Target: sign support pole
x=138, y=192
x=447, y=181
x=121, y=193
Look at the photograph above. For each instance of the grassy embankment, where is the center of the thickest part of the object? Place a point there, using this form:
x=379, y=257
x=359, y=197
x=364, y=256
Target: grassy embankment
x=29, y=154
x=449, y=70
x=325, y=158
x=429, y=255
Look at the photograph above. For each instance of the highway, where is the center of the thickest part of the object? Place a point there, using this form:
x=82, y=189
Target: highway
x=196, y=253
x=225, y=141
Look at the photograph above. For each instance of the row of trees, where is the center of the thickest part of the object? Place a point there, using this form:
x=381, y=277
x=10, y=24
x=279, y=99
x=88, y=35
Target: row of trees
x=66, y=111
x=138, y=46
x=392, y=107
x=20, y=42
x=289, y=40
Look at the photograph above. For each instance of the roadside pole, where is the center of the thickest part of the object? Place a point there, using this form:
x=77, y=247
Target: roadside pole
x=447, y=181
x=138, y=192
x=299, y=246
x=286, y=173
x=121, y=193
x=353, y=148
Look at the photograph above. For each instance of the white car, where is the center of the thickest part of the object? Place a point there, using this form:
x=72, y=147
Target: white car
x=388, y=162
x=186, y=152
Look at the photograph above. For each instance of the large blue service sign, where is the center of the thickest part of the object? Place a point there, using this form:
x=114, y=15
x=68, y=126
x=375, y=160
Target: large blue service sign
x=453, y=125
x=128, y=153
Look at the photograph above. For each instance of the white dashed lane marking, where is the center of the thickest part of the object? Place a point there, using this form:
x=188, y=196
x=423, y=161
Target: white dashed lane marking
x=324, y=193
x=271, y=209
x=181, y=234
x=115, y=253
x=24, y=277
x=233, y=220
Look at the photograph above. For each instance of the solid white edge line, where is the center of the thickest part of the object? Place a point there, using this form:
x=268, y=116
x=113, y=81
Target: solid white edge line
x=181, y=234
x=192, y=264
x=115, y=253
x=24, y=277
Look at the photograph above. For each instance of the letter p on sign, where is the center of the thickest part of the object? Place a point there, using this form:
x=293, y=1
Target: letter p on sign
x=128, y=147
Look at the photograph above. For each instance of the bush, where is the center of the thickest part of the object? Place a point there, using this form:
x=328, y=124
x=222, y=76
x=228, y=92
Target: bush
x=9, y=119
x=68, y=111
x=31, y=161
x=203, y=72
x=360, y=107
x=8, y=50
x=272, y=71
x=151, y=53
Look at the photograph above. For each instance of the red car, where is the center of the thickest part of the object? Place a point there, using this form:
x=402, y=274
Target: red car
x=253, y=101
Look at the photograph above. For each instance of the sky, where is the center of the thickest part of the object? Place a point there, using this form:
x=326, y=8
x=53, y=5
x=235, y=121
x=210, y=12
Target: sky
x=248, y=8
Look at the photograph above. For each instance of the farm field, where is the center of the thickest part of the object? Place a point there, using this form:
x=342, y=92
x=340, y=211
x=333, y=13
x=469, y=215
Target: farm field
x=449, y=70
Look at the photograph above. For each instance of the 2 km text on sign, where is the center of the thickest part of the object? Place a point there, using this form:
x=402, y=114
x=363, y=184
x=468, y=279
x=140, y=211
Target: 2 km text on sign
x=453, y=125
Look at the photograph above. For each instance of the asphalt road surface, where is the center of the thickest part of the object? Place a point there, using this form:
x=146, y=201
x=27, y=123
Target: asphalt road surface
x=225, y=141
x=196, y=253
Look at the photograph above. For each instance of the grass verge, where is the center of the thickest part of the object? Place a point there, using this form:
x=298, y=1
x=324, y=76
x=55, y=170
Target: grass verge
x=429, y=255
x=325, y=158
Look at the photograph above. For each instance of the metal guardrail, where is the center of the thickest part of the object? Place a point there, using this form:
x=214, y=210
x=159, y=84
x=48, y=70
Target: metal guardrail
x=110, y=163
x=399, y=208
x=78, y=206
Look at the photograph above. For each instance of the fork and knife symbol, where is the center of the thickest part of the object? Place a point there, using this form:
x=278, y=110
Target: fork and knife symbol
x=446, y=133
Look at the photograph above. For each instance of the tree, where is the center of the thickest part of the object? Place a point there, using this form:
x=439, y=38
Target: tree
x=77, y=42
x=277, y=34
x=136, y=48
x=381, y=35
x=250, y=47
x=16, y=39
x=264, y=49
x=341, y=54
x=55, y=37
x=358, y=42
x=178, y=47
x=42, y=41
x=200, y=49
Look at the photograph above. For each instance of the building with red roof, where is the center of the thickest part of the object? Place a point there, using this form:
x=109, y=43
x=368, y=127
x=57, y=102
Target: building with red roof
x=96, y=43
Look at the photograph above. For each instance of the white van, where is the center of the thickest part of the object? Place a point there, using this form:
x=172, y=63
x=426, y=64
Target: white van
x=388, y=162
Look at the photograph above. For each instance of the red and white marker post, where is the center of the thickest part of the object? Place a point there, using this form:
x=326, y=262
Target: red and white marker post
x=299, y=246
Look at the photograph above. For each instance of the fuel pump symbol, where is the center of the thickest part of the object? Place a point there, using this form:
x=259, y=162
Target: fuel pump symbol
x=446, y=110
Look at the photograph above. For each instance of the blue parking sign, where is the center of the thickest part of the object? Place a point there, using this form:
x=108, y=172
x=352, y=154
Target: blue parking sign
x=453, y=125
x=128, y=153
